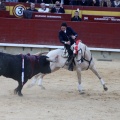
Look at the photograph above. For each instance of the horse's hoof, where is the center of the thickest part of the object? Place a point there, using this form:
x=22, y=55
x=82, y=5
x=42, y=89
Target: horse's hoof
x=20, y=94
x=105, y=88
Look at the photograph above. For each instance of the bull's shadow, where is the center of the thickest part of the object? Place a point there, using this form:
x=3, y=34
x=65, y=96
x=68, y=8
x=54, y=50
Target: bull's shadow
x=11, y=66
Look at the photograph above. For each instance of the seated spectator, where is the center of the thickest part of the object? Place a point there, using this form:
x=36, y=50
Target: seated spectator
x=57, y=8
x=93, y=3
x=105, y=3
x=76, y=17
x=28, y=12
x=32, y=7
x=2, y=5
x=83, y=2
x=116, y=3
x=108, y=3
x=43, y=8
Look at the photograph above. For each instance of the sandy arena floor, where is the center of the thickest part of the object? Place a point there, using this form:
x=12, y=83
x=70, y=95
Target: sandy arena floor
x=61, y=100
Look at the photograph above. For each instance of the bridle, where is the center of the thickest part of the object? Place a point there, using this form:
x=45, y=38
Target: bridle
x=82, y=59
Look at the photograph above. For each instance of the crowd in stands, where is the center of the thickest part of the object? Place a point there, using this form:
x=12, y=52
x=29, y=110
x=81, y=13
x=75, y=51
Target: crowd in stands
x=102, y=3
x=57, y=6
x=2, y=5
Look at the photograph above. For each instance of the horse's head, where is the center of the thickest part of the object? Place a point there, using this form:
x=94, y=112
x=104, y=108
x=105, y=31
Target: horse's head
x=77, y=50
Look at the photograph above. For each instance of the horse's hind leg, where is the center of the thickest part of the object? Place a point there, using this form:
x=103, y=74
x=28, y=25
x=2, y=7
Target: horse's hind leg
x=40, y=77
x=93, y=69
x=34, y=80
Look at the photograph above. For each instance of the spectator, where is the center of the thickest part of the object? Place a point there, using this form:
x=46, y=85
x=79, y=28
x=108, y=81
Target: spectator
x=2, y=5
x=57, y=8
x=105, y=3
x=32, y=7
x=108, y=3
x=116, y=3
x=83, y=2
x=93, y=3
x=43, y=8
x=76, y=17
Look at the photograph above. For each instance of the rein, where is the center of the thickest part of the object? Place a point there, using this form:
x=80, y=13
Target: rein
x=83, y=58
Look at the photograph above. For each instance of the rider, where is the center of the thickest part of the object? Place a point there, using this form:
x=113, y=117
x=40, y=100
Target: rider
x=67, y=36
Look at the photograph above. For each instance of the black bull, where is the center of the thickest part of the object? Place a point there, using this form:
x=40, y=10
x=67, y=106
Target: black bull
x=11, y=67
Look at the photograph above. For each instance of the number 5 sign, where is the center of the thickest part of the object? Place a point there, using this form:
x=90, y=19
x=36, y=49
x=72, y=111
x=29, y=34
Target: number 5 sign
x=18, y=10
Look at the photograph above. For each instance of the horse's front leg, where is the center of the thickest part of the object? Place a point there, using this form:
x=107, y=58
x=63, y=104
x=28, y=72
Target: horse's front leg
x=41, y=80
x=93, y=69
x=80, y=89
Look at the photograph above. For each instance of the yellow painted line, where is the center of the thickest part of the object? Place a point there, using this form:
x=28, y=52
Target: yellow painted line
x=107, y=13
x=68, y=11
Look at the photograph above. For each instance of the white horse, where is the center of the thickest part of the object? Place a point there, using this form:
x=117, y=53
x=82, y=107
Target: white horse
x=83, y=61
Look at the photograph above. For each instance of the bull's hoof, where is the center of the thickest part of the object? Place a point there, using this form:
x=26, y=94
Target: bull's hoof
x=20, y=94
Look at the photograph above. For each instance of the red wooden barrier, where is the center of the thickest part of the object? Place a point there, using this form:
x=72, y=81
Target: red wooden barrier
x=45, y=32
x=4, y=13
x=99, y=18
x=51, y=16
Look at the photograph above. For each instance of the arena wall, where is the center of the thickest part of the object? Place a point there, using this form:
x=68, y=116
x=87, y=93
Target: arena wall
x=18, y=35
x=43, y=32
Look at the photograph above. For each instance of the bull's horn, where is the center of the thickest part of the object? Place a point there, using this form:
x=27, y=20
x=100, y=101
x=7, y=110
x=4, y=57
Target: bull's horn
x=39, y=53
x=48, y=59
